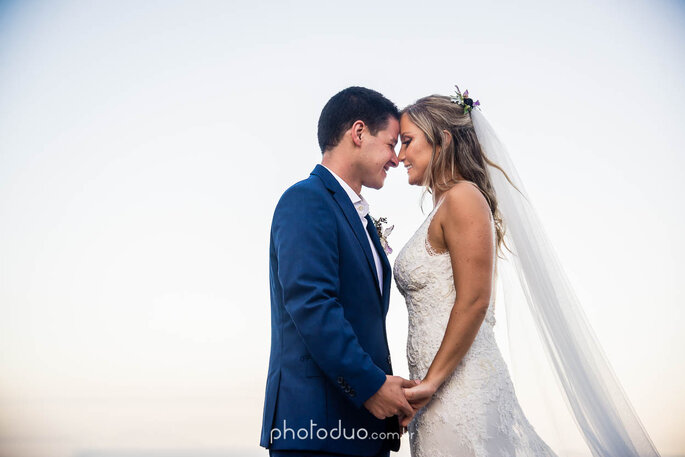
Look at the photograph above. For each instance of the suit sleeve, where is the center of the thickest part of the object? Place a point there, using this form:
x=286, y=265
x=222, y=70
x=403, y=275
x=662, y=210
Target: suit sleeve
x=306, y=242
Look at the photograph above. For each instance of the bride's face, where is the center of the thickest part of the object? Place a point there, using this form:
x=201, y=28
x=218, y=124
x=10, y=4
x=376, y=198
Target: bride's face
x=415, y=152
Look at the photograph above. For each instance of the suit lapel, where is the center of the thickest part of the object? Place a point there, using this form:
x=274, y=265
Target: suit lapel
x=351, y=215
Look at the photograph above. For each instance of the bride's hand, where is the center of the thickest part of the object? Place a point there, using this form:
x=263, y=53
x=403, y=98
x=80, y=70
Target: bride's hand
x=419, y=396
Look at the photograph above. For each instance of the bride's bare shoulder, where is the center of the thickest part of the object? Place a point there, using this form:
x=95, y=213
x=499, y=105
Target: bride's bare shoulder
x=464, y=202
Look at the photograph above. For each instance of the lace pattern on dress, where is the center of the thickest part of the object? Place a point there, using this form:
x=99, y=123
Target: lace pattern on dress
x=475, y=412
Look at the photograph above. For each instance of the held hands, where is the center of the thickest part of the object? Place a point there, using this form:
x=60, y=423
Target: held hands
x=418, y=395
x=390, y=400
x=400, y=397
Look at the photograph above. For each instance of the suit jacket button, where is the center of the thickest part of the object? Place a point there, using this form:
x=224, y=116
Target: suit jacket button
x=352, y=393
x=348, y=389
x=340, y=380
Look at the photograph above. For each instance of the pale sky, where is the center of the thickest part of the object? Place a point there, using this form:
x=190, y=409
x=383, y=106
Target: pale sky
x=143, y=146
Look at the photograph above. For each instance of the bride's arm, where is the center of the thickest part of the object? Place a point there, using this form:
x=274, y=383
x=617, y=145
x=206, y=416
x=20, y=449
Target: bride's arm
x=467, y=234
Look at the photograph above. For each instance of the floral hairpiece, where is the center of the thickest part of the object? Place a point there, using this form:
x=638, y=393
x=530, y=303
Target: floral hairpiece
x=464, y=100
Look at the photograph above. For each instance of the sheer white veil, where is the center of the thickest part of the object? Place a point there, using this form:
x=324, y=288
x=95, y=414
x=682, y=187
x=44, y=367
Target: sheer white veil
x=599, y=406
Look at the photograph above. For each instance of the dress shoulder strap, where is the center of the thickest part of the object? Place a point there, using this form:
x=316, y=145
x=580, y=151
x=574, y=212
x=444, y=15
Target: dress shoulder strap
x=437, y=205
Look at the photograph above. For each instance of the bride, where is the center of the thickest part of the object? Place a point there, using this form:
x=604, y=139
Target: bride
x=465, y=400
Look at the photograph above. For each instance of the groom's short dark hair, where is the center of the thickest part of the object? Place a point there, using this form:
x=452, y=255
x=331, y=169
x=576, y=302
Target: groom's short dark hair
x=351, y=105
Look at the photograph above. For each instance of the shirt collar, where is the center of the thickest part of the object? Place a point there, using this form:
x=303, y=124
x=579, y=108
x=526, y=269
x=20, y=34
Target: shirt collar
x=360, y=204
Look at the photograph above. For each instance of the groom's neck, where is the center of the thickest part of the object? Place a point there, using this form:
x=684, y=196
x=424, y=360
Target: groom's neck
x=338, y=164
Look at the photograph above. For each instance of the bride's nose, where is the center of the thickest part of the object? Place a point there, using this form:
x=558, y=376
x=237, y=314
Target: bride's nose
x=394, y=160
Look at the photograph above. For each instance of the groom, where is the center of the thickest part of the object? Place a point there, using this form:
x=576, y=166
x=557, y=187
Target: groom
x=330, y=389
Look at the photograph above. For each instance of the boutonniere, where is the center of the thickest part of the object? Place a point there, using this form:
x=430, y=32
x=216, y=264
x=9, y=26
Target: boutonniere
x=383, y=233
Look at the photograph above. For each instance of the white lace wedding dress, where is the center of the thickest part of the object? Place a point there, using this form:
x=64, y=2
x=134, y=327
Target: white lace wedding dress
x=475, y=412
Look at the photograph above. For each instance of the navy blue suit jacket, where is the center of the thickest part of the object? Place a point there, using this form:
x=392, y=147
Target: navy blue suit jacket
x=329, y=348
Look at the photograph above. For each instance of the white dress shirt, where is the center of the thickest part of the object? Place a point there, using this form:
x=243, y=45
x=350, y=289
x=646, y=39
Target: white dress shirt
x=362, y=207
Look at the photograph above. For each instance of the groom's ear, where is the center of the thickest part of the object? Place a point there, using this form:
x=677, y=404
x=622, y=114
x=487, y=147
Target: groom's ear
x=357, y=129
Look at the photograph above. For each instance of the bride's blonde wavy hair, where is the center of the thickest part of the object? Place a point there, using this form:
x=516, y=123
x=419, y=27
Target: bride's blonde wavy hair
x=436, y=114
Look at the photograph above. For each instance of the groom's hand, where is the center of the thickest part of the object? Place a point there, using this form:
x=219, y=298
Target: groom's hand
x=390, y=400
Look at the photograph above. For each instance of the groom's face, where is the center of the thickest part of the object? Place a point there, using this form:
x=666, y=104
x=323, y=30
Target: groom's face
x=377, y=154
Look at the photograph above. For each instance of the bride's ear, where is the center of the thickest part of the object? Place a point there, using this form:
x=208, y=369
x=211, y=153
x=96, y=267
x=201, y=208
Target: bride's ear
x=446, y=141
x=446, y=138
